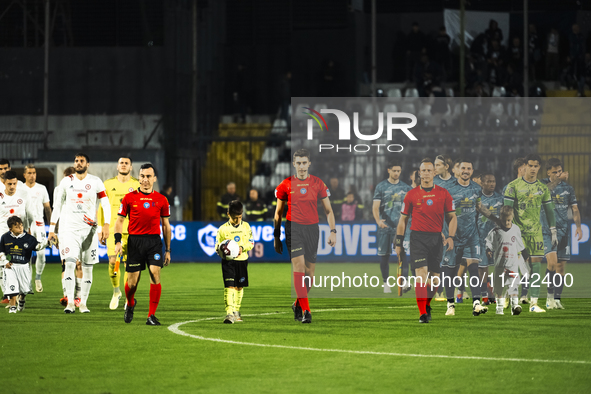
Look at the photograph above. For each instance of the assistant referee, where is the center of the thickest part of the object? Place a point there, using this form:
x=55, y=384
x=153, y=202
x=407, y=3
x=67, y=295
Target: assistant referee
x=146, y=208
x=428, y=205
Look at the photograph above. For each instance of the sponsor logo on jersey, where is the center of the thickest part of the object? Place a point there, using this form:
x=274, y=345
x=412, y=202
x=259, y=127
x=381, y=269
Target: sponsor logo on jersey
x=237, y=238
x=303, y=190
x=87, y=187
x=429, y=202
x=19, y=201
x=513, y=239
x=146, y=205
x=156, y=257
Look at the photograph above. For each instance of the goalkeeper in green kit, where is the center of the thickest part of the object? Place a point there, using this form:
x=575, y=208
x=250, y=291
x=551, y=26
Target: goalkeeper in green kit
x=527, y=195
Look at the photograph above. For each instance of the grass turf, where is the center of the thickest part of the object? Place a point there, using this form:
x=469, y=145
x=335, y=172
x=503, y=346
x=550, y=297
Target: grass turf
x=45, y=350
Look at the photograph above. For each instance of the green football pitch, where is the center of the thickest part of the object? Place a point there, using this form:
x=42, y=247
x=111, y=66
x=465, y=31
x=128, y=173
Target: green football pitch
x=353, y=345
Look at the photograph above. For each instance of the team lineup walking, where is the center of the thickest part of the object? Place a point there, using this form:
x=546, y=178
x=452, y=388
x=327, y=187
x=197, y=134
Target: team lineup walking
x=449, y=224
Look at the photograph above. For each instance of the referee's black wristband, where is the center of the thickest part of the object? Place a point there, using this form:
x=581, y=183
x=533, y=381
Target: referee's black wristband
x=453, y=237
x=277, y=233
x=117, y=238
x=398, y=240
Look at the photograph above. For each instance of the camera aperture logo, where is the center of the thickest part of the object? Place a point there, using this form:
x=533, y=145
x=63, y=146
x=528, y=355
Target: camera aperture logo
x=345, y=130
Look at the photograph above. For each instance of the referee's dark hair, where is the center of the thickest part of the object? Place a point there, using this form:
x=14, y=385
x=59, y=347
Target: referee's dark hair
x=235, y=208
x=149, y=165
x=12, y=221
x=393, y=163
x=4, y=162
x=9, y=175
x=302, y=153
x=82, y=155
x=553, y=162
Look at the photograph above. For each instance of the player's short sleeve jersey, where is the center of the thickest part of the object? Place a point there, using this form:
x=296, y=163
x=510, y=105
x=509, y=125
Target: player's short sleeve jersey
x=145, y=211
x=20, y=248
x=79, y=199
x=506, y=244
x=494, y=202
x=427, y=208
x=390, y=196
x=15, y=205
x=38, y=196
x=527, y=199
x=465, y=199
x=115, y=192
x=563, y=197
x=242, y=234
x=302, y=198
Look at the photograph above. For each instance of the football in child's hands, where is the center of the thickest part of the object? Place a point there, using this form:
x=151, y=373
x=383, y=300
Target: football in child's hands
x=230, y=249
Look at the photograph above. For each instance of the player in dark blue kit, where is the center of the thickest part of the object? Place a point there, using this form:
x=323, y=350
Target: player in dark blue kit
x=493, y=201
x=465, y=194
x=387, y=203
x=563, y=196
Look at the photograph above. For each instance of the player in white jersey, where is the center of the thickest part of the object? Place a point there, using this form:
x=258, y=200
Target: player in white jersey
x=13, y=202
x=5, y=166
x=75, y=205
x=505, y=247
x=39, y=199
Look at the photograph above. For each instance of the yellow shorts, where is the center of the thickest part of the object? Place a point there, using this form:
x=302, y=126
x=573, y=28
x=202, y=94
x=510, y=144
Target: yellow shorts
x=111, y=245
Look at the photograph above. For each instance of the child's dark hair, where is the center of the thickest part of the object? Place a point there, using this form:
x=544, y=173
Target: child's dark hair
x=13, y=220
x=235, y=208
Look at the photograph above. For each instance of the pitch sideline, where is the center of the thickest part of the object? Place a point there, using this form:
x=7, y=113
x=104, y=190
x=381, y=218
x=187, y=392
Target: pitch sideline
x=175, y=329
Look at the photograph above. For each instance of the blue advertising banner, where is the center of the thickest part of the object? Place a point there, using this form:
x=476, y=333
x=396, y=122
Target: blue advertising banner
x=356, y=242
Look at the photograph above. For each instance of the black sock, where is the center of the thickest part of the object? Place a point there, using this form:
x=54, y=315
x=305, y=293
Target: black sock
x=385, y=266
x=473, y=271
x=550, y=276
x=558, y=289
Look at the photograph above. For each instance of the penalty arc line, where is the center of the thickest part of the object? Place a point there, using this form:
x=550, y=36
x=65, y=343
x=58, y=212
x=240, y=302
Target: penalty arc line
x=175, y=329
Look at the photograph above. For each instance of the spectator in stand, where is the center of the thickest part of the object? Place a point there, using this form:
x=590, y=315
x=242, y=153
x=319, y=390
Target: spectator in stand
x=415, y=46
x=493, y=32
x=255, y=209
x=495, y=63
x=337, y=196
x=588, y=69
x=515, y=53
x=552, y=65
x=534, y=52
x=426, y=72
x=442, y=53
x=351, y=209
x=513, y=82
x=225, y=200
x=577, y=53
x=167, y=193
x=567, y=78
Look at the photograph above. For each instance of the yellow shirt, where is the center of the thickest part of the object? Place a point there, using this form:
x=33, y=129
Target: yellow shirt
x=242, y=234
x=116, y=191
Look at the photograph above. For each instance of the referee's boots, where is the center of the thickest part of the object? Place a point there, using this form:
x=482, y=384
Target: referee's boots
x=307, y=318
x=152, y=321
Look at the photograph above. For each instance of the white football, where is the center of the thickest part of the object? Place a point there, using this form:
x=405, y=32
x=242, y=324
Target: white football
x=230, y=249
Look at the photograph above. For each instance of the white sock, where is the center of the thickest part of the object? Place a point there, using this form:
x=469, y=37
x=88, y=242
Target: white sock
x=550, y=296
x=64, y=285
x=70, y=281
x=514, y=301
x=79, y=286
x=2, y=281
x=116, y=290
x=534, y=300
x=86, y=283
x=40, y=263
x=500, y=302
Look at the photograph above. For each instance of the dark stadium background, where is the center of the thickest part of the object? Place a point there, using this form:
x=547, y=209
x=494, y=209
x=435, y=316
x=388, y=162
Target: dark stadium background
x=198, y=87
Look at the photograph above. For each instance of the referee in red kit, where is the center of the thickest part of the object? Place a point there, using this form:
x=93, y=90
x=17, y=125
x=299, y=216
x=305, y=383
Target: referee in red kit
x=301, y=193
x=428, y=205
x=146, y=208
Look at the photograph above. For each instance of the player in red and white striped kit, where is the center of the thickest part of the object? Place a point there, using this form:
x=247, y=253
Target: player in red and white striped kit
x=75, y=204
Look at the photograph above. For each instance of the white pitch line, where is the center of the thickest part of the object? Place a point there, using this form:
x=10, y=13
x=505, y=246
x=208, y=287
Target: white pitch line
x=175, y=329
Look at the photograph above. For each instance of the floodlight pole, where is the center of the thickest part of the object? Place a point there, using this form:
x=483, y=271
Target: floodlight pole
x=462, y=71
x=46, y=78
x=373, y=48
x=525, y=67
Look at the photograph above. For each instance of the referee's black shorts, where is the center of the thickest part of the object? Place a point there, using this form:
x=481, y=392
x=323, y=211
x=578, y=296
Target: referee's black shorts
x=143, y=250
x=302, y=240
x=235, y=273
x=426, y=250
